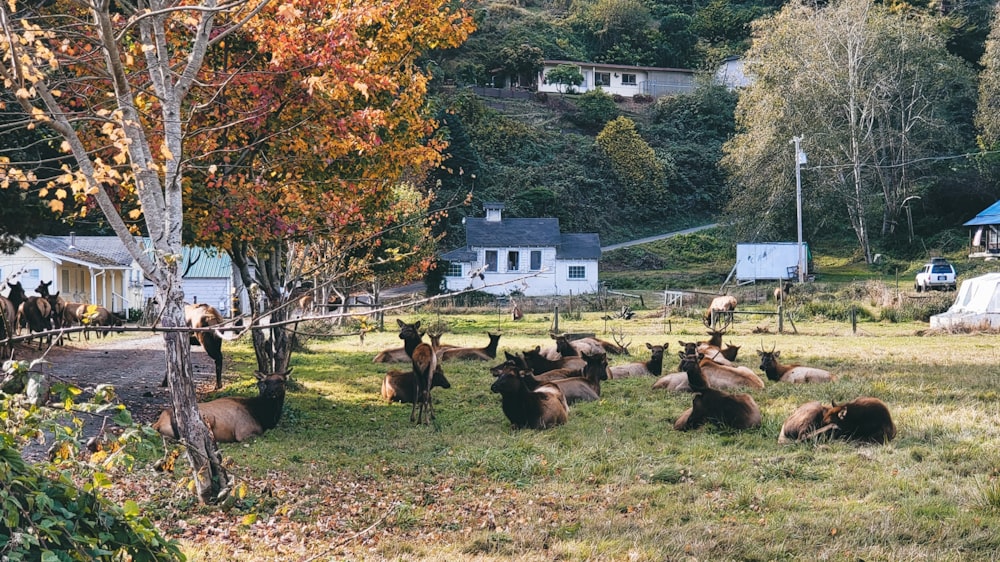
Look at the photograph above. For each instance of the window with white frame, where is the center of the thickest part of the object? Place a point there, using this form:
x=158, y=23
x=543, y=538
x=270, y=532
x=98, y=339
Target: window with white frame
x=491, y=260
x=513, y=260
x=628, y=79
x=577, y=272
x=454, y=269
x=536, y=260
x=602, y=79
x=30, y=279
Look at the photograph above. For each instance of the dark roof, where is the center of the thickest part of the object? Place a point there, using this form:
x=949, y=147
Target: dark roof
x=463, y=255
x=579, y=246
x=619, y=66
x=989, y=216
x=512, y=232
x=99, y=251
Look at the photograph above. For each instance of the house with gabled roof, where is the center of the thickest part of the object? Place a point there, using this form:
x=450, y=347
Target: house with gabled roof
x=529, y=256
x=624, y=80
x=99, y=270
x=984, y=233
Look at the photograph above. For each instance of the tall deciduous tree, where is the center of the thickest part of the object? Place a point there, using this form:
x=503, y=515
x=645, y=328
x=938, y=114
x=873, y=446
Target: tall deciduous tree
x=876, y=96
x=330, y=118
x=111, y=85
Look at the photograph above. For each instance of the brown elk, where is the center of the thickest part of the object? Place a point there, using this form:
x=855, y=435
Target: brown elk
x=203, y=316
x=471, y=353
x=232, y=419
x=36, y=314
x=583, y=388
x=718, y=376
x=738, y=411
x=399, y=386
x=863, y=419
x=538, y=408
x=712, y=347
x=7, y=320
x=653, y=367
x=425, y=364
x=573, y=348
x=720, y=306
x=803, y=422
x=782, y=292
x=539, y=363
x=399, y=355
x=775, y=371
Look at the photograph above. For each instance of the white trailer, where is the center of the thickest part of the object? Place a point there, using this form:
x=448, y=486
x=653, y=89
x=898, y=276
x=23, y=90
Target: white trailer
x=769, y=261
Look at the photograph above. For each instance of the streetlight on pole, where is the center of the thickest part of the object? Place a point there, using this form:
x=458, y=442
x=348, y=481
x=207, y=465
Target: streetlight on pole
x=800, y=158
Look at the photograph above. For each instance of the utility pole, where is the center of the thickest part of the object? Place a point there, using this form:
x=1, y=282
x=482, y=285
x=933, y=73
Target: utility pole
x=800, y=158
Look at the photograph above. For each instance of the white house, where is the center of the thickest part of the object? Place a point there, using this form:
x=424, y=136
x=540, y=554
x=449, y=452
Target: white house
x=731, y=73
x=529, y=255
x=622, y=79
x=99, y=270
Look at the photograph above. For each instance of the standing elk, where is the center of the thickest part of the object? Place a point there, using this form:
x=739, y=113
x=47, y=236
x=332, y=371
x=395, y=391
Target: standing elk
x=653, y=367
x=35, y=313
x=782, y=292
x=203, y=316
x=425, y=365
x=7, y=320
x=719, y=306
x=775, y=371
x=538, y=408
x=738, y=411
x=399, y=386
x=233, y=419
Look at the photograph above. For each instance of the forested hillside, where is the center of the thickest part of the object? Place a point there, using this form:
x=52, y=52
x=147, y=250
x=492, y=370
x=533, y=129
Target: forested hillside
x=626, y=169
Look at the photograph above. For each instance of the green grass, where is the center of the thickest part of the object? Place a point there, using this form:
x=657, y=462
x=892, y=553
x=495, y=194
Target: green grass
x=617, y=482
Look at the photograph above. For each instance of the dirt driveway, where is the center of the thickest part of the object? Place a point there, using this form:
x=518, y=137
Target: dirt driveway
x=133, y=363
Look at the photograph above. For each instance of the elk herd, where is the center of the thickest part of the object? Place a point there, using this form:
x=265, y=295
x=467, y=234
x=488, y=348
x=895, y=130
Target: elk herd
x=537, y=386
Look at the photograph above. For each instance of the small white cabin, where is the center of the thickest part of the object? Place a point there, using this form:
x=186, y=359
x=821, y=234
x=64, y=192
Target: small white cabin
x=526, y=255
x=622, y=79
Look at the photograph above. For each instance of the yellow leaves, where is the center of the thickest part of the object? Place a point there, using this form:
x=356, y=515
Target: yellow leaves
x=65, y=147
x=56, y=206
x=24, y=93
x=134, y=214
x=165, y=151
x=288, y=12
x=361, y=87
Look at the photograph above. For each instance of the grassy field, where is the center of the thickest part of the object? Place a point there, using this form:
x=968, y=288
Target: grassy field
x=346, y=477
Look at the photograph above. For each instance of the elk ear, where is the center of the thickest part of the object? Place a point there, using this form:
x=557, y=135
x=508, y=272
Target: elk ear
x=760, y=353
x=259, y=375
x=416, y=325
x=648, y=346
x=777, y=354
x=400, y=323
x=681, y=355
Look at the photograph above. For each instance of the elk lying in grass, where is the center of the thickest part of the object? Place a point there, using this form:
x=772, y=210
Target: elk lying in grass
x=583, y=388
x=653, y=367
x=425, y=365
x=775, y=371
x=538, y=408
x=718, y=376
x=539, y=363
x=738, y=411
x=399, y=355
x=400, y=386
x=574, y=347
x=232, y=419
x=864, y=419
x=471, y=353
x=713, y=347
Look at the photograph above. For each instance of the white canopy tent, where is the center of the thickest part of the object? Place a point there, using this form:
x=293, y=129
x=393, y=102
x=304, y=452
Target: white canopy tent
x=977, y=304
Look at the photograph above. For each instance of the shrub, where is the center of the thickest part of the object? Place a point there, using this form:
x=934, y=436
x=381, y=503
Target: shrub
x=642, y=98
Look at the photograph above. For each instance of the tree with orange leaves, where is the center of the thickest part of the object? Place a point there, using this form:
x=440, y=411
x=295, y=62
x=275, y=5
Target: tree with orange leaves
x=137, y=95
x=332, y=125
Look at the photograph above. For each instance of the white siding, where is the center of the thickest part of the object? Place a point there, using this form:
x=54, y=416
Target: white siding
x=552, y=279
